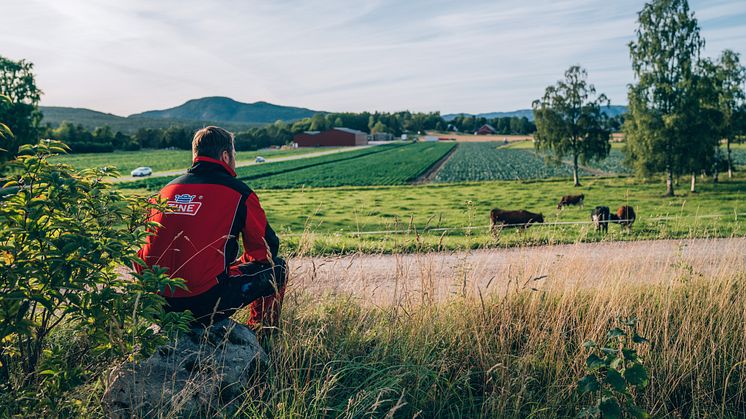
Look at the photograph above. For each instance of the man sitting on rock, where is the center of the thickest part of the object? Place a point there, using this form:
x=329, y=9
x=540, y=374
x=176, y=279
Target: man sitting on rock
x=198, y=239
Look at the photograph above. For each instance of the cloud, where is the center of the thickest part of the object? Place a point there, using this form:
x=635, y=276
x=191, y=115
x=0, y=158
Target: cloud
x=471, y=56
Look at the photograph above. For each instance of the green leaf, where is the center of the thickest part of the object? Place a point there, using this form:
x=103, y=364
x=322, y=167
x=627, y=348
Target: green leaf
x=615, y=332
x=588, y=384
x=639, y=339
x=610, y=351
x=636, y=375
x=588, y=344
x=594, y=362
x=610, y=408
x=629, y=354
x=635, y=411
x=615, y=380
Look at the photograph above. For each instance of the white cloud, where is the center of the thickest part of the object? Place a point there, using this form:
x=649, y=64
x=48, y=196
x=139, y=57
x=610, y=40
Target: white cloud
x=471, y=56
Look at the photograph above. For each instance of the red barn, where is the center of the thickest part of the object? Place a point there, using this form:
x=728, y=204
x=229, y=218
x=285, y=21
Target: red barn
x=334, y=137
x=486, y=129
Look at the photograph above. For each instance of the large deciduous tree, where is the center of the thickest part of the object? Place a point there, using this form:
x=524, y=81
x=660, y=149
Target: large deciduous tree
x=570, y=121
x=659, y=128
x=20, y=112
x=731, y=77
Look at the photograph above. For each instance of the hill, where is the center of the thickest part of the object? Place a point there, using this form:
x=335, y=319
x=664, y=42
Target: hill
x=55, y=115
x=224, y=109
x=612, y=111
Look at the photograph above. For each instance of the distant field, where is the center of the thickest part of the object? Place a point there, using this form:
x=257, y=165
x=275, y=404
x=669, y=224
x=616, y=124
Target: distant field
x=468, y=138
x=490, y=161
x=253, y=172
x=161, y=160
x=395, y=166
x=330, y=217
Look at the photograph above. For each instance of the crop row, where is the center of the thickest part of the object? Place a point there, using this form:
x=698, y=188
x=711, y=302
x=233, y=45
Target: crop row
x=269, y=169
x=391, y=167
x=488, y=161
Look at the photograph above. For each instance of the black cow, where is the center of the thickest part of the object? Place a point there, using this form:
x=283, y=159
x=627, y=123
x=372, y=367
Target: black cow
x=600, y=217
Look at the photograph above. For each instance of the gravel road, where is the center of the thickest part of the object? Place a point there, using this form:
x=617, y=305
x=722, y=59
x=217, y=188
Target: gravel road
x=383, y=279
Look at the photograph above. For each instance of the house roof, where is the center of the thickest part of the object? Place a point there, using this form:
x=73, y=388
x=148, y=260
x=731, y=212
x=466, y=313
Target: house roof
x=348, y=130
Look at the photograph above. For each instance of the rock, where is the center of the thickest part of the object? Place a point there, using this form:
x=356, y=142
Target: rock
x=205, y=367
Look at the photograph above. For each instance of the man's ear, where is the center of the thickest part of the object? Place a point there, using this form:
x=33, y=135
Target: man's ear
x=225, y=157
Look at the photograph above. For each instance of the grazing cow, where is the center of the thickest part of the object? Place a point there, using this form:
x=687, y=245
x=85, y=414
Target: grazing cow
x=625, y=216
x=600, y=217
x=513, y=218
x=571, y=200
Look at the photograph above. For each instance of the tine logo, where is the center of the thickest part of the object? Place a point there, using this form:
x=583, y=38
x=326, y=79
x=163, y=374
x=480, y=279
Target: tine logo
x=183, y=205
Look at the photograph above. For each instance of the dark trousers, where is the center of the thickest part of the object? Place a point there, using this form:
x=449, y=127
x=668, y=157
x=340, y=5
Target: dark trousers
x=248, y=284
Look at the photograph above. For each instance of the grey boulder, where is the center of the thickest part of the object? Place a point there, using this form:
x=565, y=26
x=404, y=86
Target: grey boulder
x=199, y=370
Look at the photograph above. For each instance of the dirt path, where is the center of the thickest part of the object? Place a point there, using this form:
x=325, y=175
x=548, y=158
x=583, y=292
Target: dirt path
x=383, y=279
x=250, y=162
x=432, y=171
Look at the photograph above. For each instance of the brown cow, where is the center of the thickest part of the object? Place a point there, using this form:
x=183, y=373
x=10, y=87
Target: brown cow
x=513, y=218
x=571, y=200
x=625, y=216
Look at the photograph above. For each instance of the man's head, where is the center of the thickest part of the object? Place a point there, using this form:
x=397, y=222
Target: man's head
x=216, y=143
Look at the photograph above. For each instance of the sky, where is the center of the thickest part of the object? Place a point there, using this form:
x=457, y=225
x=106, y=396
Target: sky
x=125, y=57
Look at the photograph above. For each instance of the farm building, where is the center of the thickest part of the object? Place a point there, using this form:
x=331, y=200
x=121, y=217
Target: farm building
x=334, y=137
x=381, y=136
x=486, y=129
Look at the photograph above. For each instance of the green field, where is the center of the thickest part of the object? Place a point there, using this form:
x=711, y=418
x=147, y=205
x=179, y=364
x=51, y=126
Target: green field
x=394, y=166
x=388, y=164
x=161, y=160
x=490, y=161
x=334, y=220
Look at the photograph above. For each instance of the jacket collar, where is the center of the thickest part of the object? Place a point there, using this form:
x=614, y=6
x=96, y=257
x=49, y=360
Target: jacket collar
x=210, y=161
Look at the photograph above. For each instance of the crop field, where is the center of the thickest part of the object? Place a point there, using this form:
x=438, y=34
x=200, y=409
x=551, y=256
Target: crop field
x=248, y=173
x=394, y=166
x=489, y=161
x=161, y=160
x=390, y=164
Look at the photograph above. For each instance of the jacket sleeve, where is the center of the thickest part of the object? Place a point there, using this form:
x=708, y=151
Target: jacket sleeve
x=260, y=242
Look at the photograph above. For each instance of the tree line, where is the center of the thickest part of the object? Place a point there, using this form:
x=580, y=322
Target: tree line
x=103, y=139
x=682, y=106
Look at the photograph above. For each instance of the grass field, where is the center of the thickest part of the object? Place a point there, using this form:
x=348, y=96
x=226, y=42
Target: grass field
x=161, y=160
x=515, y=355
x=328, y=220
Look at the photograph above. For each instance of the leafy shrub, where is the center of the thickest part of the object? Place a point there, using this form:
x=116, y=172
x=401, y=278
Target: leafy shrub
x=614, y=370
x=65, y=236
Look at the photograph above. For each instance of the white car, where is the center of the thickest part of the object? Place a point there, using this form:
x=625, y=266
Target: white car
x=260, y=159
x=142, y=171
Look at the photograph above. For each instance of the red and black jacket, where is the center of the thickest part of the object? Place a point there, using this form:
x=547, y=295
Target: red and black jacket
x=198, y=240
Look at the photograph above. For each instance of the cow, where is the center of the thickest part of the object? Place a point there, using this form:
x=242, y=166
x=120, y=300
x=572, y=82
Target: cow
x=513, y=218
x=625, y=216
x=600, y=217
x=571, y=200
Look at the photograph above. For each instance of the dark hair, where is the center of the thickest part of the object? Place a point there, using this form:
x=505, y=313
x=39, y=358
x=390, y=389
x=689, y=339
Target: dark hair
x=211, y=142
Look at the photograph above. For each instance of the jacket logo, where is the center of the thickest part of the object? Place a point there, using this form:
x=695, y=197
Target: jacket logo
x=183, y=205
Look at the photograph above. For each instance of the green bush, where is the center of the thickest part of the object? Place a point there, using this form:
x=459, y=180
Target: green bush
x=66, y=302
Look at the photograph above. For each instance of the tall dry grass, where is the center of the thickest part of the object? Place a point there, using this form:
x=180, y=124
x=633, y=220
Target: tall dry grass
x=514, y=353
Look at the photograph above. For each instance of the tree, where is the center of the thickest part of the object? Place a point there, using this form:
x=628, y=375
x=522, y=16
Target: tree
x=20, y=113
x=704, y=119
x=664, y=59
x=569, y=120
x=731, y=76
